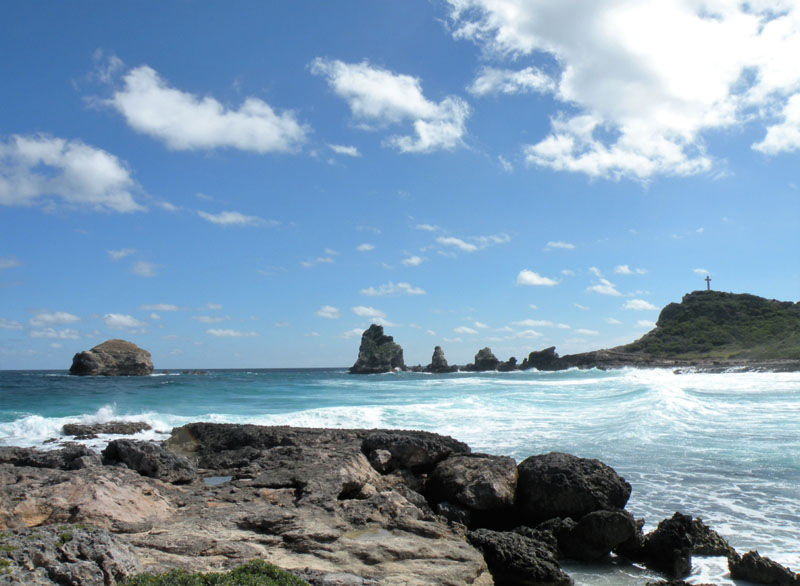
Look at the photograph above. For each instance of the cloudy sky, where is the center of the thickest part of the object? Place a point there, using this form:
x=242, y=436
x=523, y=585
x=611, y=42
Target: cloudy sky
x=253, y=184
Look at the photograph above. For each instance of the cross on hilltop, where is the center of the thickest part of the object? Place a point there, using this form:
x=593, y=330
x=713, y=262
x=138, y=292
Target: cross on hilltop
x=708, y=283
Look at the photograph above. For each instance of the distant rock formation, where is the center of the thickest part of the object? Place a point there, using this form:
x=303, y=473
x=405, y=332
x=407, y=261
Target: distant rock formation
x=484, y=360
x=113, y=358
x=439, y=362
x=378, y=353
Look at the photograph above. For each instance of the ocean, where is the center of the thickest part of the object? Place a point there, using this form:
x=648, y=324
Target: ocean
x=722, y=447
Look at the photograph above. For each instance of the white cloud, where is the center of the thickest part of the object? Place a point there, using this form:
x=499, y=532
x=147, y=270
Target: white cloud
x=9, y=262
x=328, y=311
x=560, y=245
x=505, y=164
x=581, y=307
x=604, y=287
x=354, y=333
x=585, y=332
x=155, y=316
x=312, y=335
x=219, y=333
x=700, y=271
x=413, y=261
x=464, y=330
x=507, y=81
x=120, y=254
x=144, y=269
x=613, y=321
x=365, y=247
x=184, y=121
x=430, y=332
x=480, y=325
x=526, y=277
x=47, y=318
x=381, y=96
x=370, y=312
x=533, y=323
x=639, y=305
x=393, y=289
x=159, y=307
x=120, y=321
x=428, y=227
x=341, y=149
x=213, y=306
x=644, y=323
x=568, y=273
x=635, y=103
x=478, y=242
x=208, y=319
x=235, y=219
x=35, y=169
x=65, y=334
x=626, y=270
x=9, y=324
x=596, y=272
x=528, y=334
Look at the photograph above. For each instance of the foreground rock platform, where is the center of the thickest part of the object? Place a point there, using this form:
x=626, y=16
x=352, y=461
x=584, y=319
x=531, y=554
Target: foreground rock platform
x=335, y=506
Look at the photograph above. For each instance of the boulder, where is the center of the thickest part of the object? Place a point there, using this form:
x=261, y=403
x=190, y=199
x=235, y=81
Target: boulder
x=439, y=362
x=415, y=450
x=561, y=485
x=508, y=365
x=149, y=459
x=595, y=535
x=113, y=358
x=546, y=359
x=517, y=560
x=477, y=482
x=71, y=457
x=110, y=427
x=485, y=360
x=378, y=353
x=761, y=570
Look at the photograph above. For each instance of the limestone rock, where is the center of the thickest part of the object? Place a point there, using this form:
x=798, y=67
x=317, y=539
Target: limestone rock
x=417, y=450
x=439, y=362
x=477, y=482
x=110, y=427
x=378, y=353
x=517, y=560
x=72, y=457
x=561, y=485
x=546, y=359
x=484, y=360
x=761, y=570
x=113, y=358
x=149, y=459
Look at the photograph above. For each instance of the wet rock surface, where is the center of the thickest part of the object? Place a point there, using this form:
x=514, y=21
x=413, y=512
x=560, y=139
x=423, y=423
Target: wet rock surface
x=761, y=570
x=110, y=427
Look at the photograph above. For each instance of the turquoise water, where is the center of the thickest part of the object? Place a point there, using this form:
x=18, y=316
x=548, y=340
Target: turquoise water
x=723, y=447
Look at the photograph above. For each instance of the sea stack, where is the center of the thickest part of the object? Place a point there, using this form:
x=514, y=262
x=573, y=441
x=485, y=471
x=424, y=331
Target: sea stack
x=378, y=353
x=439, y=362
x=113, y=358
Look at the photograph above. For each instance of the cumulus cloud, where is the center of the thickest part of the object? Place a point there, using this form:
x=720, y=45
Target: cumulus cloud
x=208, y=319
x=9, y=262
x=559, y=244
x=475, y=243
x=639, y=305
x=51, y=333
x=354, y=333
x=527, y=277
x=120, y=254
x=645, y=323
x=585, y=332
x=533, y=323
x=413, y=261
x=428, y=227
x=393, y=289
x=464, y=330
x=235, y=219
x=159, y=307
x=635, y=103
x=184, y=121
x=225, y=333
x=528, y=334
x=118, y=321
x=144, y=269
x=38, y=169
x=341, y=149
x=604, y=287
x=52, y=318
x=613, y=321
x=700, y=271
x=370, y=312
x=507, y=81
x=626, y=270
x=328, y=311
x=365, y=247
x=379, y=96
x=9, y=324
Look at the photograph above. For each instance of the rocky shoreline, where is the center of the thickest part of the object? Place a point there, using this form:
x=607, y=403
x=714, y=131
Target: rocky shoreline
x=336, y=507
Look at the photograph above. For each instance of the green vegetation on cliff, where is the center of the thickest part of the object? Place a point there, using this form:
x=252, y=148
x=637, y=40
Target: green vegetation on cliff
x=254, y=573
x=712, y=324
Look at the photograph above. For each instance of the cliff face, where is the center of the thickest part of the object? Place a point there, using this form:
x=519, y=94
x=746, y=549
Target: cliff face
x=720, y=325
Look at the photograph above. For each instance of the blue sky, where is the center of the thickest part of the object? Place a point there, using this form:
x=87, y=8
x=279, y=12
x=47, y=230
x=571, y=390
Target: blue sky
x=253, y=184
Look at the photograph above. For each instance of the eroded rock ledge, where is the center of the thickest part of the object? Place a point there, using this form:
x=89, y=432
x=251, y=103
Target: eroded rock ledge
x=336, y=506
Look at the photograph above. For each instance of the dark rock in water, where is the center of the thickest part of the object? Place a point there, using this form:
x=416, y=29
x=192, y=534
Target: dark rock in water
x=71, y=457
x=761, y=570
x=633, y=548
x=378, y=353
x=477, y=482
x=439, y=362
x=508, y=365
x=561, y=485
x=113, y=358
x=595, y=535
x=111, y=427
x=669, y=548
x=149, y=459
x=416, y=450
x=517, y=560
x=676, y=583
x=66, y=554
x=546, y=359
x=485, y=360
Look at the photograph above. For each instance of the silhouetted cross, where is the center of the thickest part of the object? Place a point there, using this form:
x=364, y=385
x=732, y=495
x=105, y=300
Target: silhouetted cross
x=708, y=283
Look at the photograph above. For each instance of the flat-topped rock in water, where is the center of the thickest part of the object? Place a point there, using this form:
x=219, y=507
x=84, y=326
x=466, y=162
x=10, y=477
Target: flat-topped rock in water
x=113, y=358
x=378, y=353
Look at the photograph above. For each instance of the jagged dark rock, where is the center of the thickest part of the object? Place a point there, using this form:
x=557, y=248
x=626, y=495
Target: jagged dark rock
x=111, y=427
x=113, y=358
x=546, y=359
x=514, y=559
x=417, y=450
x=761, y=570
x=438, y=363
x=149, y=459
x=561, y=485
x=378, y=353
x=669, y=547
x=595, y=535
x=508, y=365
x=484, y=360
x=71, y=457
x=476, y=482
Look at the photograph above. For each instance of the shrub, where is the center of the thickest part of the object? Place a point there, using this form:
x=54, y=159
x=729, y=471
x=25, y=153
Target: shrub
x=253, y=573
